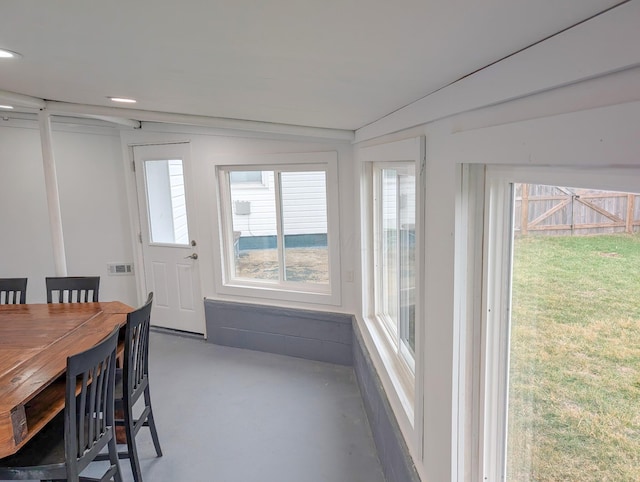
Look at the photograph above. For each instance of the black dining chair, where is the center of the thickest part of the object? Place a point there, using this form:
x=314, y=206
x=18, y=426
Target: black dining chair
x=72, y=289
x=132, y=384
x=13, y=291
x=73, y=439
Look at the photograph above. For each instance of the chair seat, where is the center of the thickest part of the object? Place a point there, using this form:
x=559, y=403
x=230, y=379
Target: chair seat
x=63, y=448
x=44, y=452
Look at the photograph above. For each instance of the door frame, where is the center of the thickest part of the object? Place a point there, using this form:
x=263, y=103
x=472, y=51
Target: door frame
x=134, y=212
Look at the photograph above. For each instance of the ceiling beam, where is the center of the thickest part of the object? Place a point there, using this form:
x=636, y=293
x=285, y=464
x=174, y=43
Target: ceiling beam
x=134, y=117
x=66, y=108
x=21, y=100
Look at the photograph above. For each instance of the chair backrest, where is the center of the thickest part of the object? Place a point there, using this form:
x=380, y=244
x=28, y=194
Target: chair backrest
x=72, y=289
x=13, y=291
x=136, y=350
x=89, y=414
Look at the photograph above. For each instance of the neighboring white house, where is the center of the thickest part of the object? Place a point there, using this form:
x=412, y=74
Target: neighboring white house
x=304, y=207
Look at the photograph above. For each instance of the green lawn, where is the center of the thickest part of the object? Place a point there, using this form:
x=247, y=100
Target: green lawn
x=575, y=359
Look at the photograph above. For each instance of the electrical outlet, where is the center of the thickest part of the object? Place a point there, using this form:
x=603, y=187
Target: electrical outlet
x=120, y=269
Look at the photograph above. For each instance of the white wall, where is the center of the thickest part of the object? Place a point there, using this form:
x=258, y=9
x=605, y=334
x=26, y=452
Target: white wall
x=92, y=201
x=25, y=240
x=94, y=198
x=524, y=133
x=604, y=137
x=210, y=148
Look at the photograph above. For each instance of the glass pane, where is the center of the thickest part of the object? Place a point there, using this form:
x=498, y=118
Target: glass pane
x=166, y=202
x=574, y=376
x=304, y=222
x=407, y=244
x=245, y=176
x=389, y=284
x=254, y=231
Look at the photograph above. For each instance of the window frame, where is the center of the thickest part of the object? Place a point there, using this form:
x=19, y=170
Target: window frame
x=394, y=333
x=227, y=282
x=489, y=412
x=402, y=375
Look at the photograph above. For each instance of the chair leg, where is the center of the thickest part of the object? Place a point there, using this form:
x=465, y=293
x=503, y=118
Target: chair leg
x=113, y=457
x=131, y=443
x=151, y=422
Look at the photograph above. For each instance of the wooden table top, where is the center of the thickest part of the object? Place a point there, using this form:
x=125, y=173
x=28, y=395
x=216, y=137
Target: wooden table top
x=35, y=341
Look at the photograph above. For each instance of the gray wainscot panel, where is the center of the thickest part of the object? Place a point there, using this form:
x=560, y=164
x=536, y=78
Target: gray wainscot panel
x=314, y=335
x=392, y=449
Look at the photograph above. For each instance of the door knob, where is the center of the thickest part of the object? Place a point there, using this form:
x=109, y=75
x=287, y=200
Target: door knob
x=192, y=256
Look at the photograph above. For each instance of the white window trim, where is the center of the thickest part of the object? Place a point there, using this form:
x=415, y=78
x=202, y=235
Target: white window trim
x=405, y=383
x=492, y=347
x=286, y=291
x=469, y=270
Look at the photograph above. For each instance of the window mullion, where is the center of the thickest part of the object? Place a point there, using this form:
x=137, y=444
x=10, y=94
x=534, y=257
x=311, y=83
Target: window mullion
x=279, y=226
x=227, y=220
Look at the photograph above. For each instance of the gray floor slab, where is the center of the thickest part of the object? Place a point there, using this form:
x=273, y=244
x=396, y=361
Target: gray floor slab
x=231, y=415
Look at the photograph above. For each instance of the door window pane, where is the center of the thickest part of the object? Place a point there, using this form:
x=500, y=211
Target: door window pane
x=574, y=375
x=166, y=202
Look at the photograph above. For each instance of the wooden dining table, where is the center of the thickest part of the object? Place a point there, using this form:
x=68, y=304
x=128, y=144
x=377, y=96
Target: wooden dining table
x=35, y=341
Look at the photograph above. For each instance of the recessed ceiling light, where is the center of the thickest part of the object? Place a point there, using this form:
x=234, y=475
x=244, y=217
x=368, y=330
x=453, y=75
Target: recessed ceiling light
x=8, y=54
x=124, y=100
x=8, y=107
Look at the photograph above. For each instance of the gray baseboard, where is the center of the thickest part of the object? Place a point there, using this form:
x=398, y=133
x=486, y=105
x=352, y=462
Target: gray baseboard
x=390, y=444
x=313, y=335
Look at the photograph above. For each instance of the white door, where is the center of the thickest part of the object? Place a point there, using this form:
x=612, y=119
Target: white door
x=169, y=243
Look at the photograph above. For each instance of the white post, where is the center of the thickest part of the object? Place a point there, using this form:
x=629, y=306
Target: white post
x=53, y=198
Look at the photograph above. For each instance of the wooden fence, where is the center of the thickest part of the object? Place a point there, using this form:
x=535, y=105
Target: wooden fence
x=555, y=210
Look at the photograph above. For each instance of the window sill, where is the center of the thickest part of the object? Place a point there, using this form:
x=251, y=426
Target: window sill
x=279, y=293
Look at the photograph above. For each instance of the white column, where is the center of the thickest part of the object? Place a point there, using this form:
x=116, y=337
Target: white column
x=53, y=198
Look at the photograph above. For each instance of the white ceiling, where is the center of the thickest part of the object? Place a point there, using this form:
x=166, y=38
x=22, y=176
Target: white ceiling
x=325, y=63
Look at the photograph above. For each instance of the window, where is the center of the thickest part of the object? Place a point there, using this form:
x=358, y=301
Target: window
x=394, y=252
x=560, y=325
x=167, y=203
x=280, y=236
x=392, y=202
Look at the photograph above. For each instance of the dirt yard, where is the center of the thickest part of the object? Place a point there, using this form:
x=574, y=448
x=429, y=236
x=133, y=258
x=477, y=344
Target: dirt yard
x=310, y=265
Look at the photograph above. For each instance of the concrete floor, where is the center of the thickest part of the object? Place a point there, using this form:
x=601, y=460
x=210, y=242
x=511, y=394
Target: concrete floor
x=230, y=415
